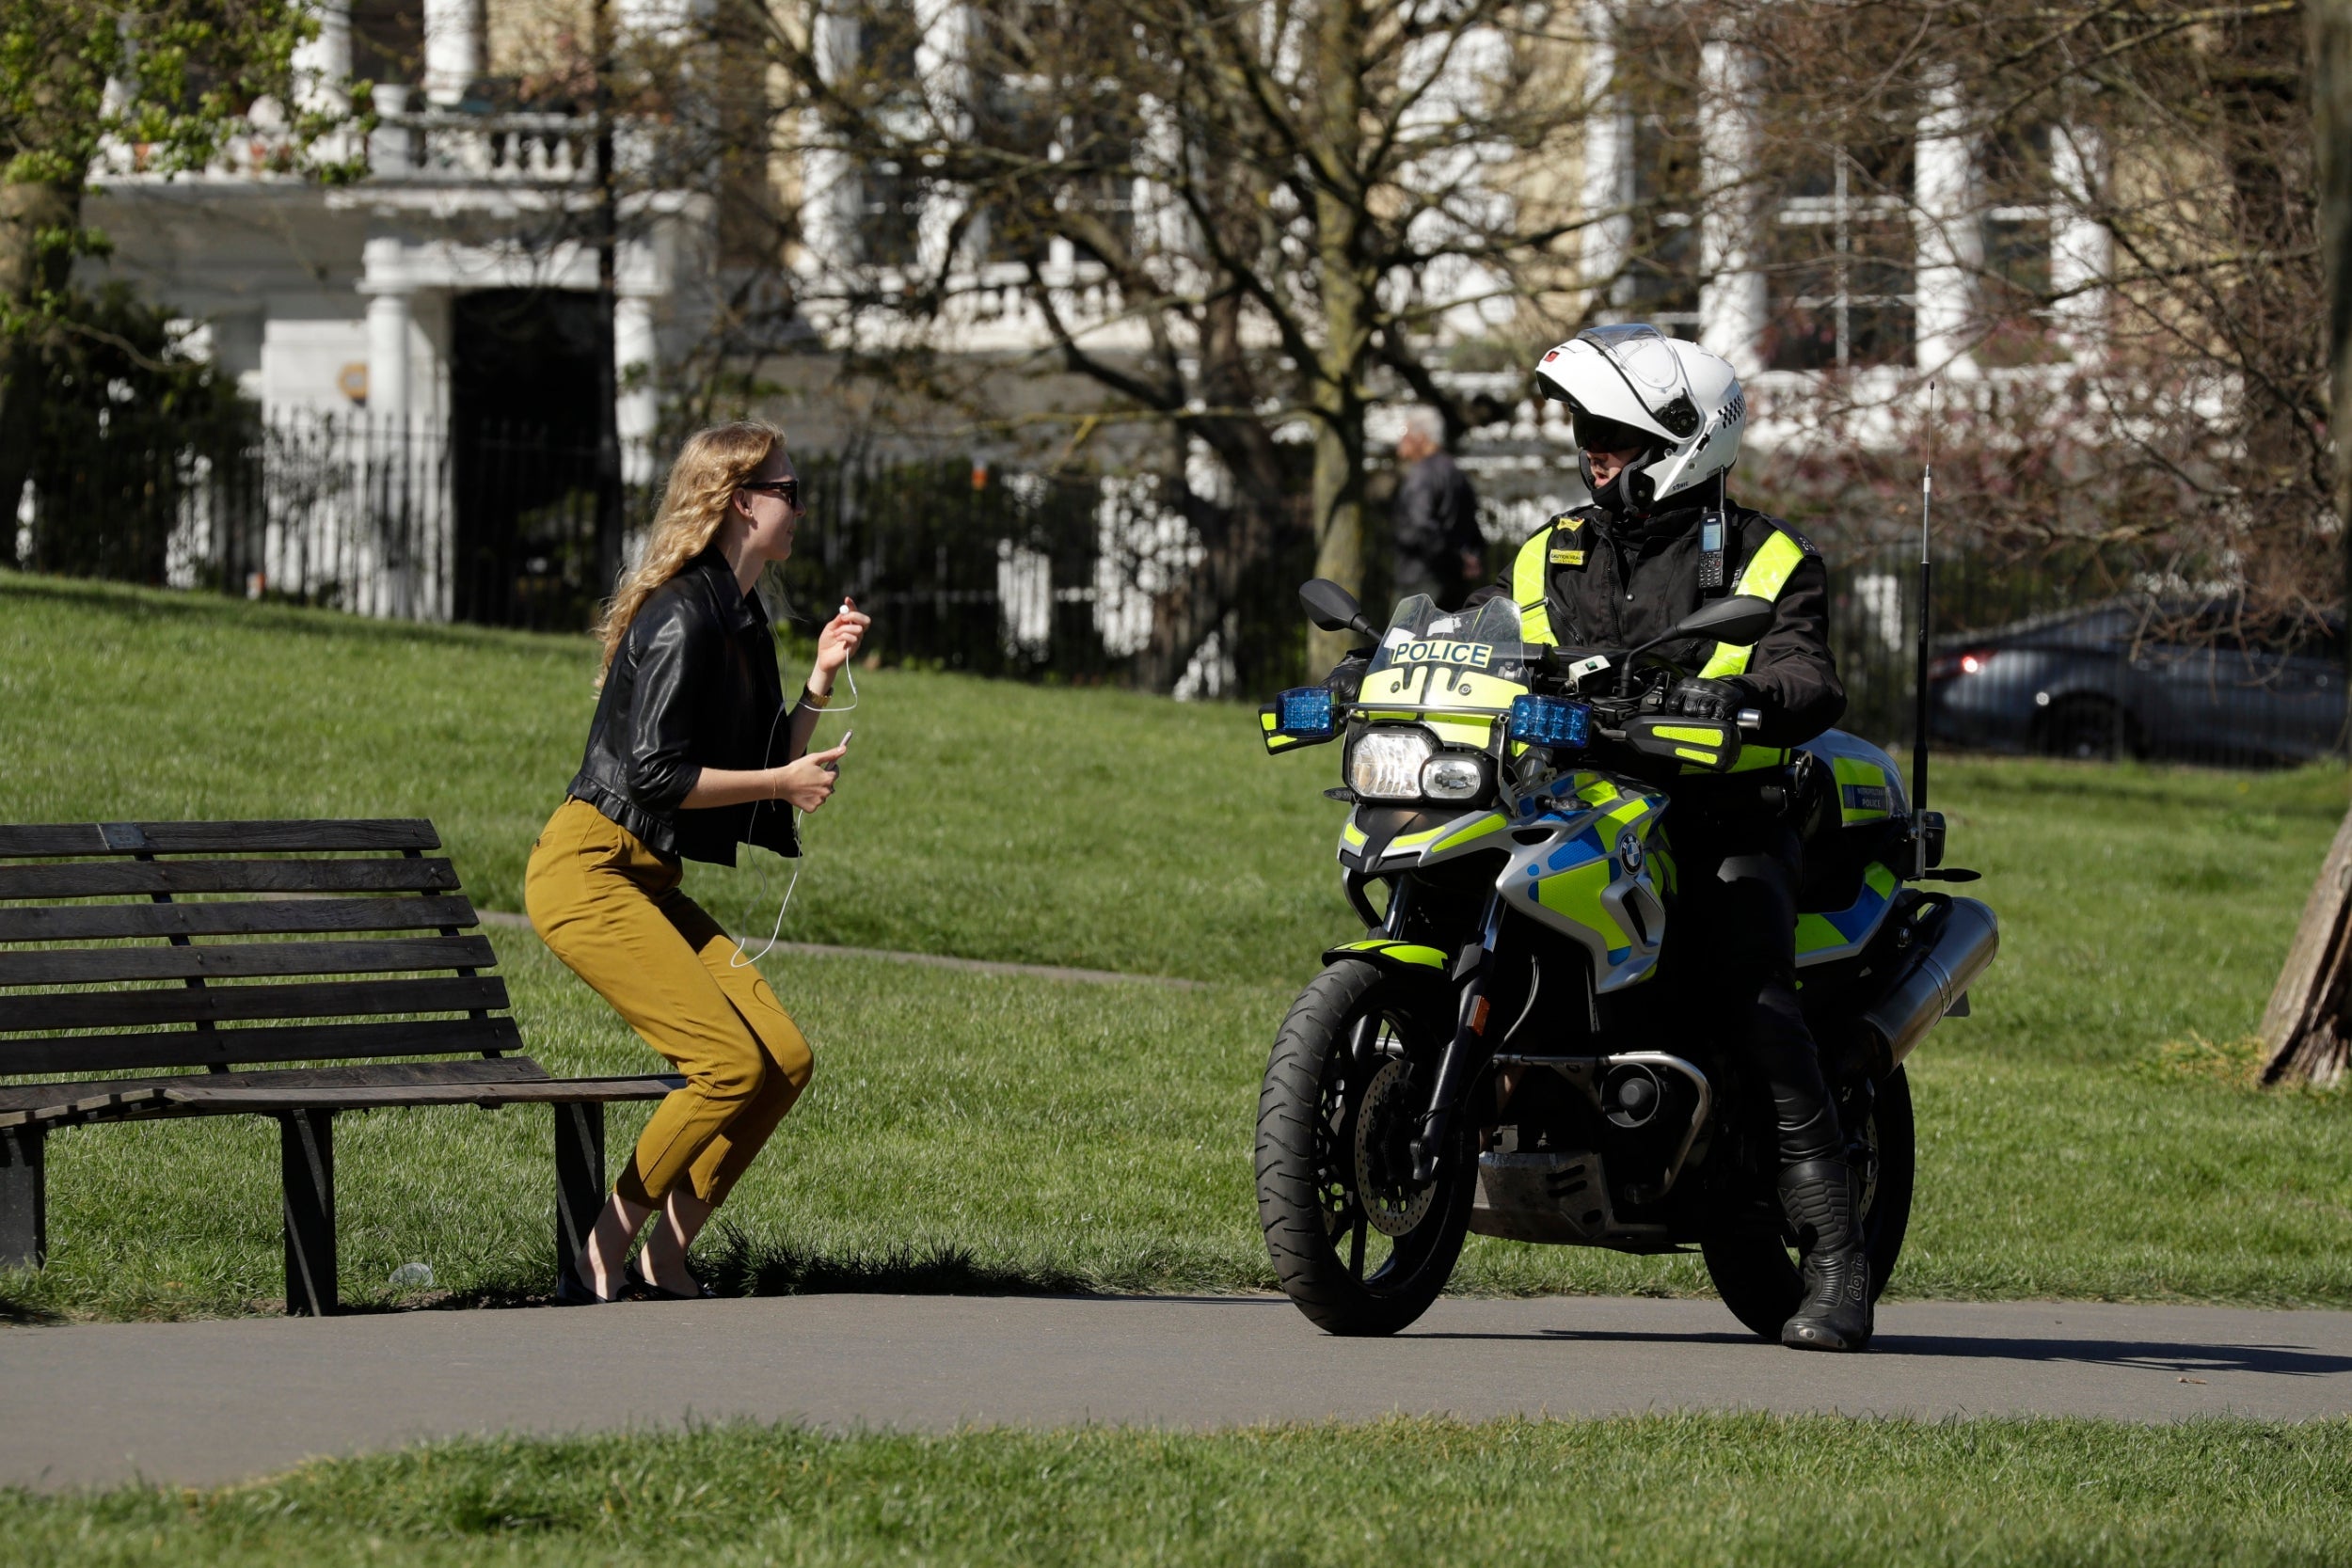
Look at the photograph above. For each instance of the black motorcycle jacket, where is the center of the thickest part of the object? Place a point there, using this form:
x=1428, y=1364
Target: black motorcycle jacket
x=693, y=685
x=1606, y=581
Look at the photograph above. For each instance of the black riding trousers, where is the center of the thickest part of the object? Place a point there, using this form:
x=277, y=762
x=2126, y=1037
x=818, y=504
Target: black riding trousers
x=1738, y=877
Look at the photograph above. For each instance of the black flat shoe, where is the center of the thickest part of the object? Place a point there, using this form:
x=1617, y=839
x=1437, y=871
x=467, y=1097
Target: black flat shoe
x=636, y=1278
x=573, y=1291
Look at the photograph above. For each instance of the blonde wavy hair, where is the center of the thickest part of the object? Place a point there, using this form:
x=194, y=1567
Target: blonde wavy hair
x=710, y=468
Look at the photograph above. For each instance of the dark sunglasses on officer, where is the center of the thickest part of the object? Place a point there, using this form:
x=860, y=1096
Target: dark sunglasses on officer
x=1592, y=433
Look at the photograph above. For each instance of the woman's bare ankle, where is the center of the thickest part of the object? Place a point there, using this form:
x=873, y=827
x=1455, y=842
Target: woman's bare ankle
x=598, y=1271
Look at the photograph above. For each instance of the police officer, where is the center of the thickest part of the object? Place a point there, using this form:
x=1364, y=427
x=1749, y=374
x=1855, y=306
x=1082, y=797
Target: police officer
x=1657, y=424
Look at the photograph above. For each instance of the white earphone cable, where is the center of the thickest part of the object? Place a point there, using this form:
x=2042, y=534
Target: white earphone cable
x=800, y=861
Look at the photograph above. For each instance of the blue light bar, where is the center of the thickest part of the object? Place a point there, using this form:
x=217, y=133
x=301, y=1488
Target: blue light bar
x=1304, y=711
x=1551, y=722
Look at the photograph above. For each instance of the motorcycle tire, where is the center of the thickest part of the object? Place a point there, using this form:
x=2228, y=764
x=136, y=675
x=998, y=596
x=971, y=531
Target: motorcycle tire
x=1755, y=1273
x=1319, y=1227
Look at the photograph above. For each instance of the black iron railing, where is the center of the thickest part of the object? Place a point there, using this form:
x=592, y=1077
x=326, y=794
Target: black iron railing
x=1082, y=579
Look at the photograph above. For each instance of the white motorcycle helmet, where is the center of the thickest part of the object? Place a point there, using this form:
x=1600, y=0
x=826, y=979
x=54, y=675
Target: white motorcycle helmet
x=1633, y=387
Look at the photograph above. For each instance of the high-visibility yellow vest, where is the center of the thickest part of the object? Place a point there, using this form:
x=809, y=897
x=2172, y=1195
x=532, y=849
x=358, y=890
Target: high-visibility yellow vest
x=1765, y=575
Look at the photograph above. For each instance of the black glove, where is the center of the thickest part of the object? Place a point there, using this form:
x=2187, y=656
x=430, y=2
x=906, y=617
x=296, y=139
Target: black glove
x=1701, y=698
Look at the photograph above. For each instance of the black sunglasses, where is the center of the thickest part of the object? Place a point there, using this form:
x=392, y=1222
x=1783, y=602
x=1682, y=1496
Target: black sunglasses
x=1594, y=434
x=788, y=490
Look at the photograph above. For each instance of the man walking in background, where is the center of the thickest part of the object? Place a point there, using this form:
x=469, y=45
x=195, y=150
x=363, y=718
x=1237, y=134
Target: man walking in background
x=1440, y=550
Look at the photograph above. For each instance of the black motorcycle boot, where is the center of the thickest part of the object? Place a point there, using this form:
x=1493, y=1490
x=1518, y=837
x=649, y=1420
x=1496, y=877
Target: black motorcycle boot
x=1819, y=1198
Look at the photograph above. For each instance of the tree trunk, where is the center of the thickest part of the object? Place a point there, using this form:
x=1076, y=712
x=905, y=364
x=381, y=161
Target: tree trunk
x=1338, y=503
x=32, y=262
x=1348, y=305
x=2307, y=1026
x=605, y=236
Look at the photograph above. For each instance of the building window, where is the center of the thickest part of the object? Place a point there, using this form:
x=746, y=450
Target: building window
x=388, y=40
x=1016, y=124
x=2013, y=291
x=1840, y=253
x=889, y=214
x=1058, y=126
x=1659, y=182
x=888, y=219
x=1098, y=140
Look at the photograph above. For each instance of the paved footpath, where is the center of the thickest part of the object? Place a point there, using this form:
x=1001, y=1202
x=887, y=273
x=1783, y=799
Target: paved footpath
x=214, y=1402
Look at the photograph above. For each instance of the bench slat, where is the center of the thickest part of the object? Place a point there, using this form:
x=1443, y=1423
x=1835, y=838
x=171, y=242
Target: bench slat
x=214, y=838
x=101, y=879
x=554, y=1091
x=82, y=965
x=461, y=1036
x=257, y=917
x=148, y=1104
x=505, y=1069
x=50, y=1011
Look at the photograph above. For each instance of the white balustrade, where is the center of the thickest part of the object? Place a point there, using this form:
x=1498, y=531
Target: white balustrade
x=439, y=147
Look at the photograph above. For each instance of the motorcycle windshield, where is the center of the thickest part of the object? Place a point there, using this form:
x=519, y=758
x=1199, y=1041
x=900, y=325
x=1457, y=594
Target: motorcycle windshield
x=1419, y=634
x=1454, y=673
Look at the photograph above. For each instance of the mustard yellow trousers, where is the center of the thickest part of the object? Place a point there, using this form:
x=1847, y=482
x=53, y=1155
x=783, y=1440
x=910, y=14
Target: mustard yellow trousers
x=610, y=909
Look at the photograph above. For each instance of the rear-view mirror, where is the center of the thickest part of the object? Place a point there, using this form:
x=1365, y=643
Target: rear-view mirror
x=1333, y=608
x=1738, y=620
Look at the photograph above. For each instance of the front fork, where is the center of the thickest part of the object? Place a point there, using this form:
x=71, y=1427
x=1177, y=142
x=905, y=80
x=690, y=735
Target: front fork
x=1467, y=1052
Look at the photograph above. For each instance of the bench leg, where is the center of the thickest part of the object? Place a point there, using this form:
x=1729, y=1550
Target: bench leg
x=579, y=1177
x=306, y=1156
x=23, y=1198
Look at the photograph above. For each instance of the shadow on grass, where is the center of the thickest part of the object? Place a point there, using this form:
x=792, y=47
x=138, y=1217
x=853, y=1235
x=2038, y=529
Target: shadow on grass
x=23, y=1311
x=733, y=1262
x=736, y=1265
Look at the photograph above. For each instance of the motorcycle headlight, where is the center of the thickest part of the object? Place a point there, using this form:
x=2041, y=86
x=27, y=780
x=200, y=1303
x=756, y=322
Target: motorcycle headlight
x=1452, y=777
x=1386, y=764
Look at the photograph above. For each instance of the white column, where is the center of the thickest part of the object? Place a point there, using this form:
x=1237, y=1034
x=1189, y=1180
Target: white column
x=942, y=63
x=388, y=323
x=637, y=409
x=1950, y=245
x=115, y=98
x=1163, y=224
x=1608, y=154
x=1733, y=305
x=453, y=49
x=829, y=187
x=2082, y=252
x=321, y=65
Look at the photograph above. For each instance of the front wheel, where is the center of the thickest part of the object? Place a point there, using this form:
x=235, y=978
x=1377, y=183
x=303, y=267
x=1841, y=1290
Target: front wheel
x=1359, y=1247
x=1755, y=1272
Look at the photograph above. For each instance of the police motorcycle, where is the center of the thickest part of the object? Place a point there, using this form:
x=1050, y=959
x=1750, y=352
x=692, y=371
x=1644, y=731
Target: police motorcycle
x=1502, y=1052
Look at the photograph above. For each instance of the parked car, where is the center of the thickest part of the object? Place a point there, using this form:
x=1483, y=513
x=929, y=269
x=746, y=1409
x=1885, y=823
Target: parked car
x=2200, y=683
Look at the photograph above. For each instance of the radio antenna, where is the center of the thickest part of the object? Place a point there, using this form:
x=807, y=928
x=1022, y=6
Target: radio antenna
x=1919, y=678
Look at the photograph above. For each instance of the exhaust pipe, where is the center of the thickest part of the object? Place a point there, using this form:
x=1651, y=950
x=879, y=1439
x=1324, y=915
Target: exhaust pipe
x=1938, y=978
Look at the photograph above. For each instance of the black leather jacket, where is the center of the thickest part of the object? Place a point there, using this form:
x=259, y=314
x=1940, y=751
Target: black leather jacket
x=693, y=685
x=1622, y=582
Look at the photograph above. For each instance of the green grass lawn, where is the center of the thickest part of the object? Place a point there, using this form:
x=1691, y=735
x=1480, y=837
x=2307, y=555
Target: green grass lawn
x=1732, y=1490
x=2087, y=1133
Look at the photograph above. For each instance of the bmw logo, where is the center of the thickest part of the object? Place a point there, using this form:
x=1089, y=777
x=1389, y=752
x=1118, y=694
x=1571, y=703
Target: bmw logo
x=1630, y=852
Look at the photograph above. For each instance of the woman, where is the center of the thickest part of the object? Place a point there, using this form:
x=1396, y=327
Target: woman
x=680, y=766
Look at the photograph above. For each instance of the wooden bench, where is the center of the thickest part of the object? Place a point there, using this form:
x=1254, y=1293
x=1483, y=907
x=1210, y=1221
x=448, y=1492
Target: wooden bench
x=164, y=973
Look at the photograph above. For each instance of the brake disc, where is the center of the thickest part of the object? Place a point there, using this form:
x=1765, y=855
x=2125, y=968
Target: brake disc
x=1385, y=1123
